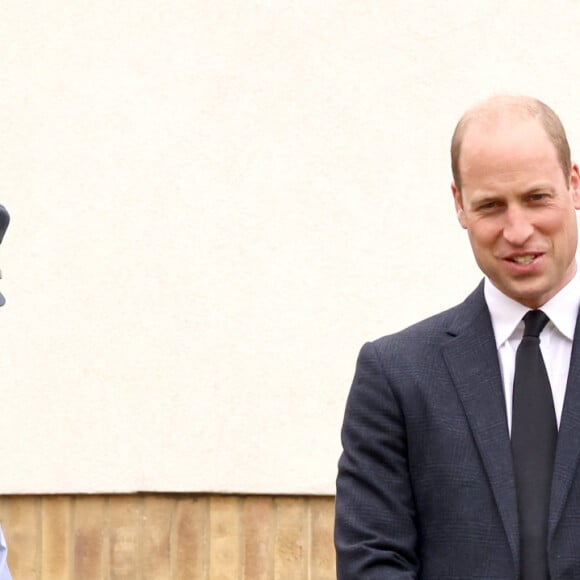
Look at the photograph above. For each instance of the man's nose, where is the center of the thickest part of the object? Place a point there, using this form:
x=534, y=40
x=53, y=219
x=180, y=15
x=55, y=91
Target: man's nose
x=518, y=227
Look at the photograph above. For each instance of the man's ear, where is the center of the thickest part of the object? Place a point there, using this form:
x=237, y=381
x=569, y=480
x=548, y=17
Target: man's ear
x=575, y=185
x=459, y=205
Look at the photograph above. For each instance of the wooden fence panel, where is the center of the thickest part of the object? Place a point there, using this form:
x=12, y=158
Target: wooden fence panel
x=169, y=537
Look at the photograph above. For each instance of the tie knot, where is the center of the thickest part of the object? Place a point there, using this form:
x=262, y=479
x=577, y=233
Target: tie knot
x=534, y=321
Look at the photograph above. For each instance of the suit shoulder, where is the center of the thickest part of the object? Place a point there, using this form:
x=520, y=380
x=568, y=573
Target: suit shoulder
x=424, y=331
x=430, y=333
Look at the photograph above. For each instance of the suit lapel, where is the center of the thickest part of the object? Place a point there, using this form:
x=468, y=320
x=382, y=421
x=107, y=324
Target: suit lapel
x=471, y=356
x=568, y=447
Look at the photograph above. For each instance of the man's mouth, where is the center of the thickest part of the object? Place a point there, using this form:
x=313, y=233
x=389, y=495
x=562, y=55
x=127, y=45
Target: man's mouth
x=527, y=259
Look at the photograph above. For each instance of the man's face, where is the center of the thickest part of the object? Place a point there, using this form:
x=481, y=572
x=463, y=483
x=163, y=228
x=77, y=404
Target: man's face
x=518, y=209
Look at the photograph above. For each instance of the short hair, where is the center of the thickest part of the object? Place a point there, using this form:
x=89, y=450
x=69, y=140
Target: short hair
x=517, y=107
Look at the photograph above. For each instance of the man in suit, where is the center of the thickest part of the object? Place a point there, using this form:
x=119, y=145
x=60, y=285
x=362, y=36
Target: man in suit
x=461, y=436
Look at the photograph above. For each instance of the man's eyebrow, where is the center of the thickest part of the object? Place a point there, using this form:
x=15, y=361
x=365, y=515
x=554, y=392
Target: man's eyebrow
x=484, y=198
x=540, y=188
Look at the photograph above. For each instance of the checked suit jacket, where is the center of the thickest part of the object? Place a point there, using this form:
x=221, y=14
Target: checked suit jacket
x=425, y=485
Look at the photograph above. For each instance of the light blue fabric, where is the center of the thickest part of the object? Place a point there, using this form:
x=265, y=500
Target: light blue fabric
x=4, y=571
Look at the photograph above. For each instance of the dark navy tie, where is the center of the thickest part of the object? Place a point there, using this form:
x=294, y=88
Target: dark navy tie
x=533, y=440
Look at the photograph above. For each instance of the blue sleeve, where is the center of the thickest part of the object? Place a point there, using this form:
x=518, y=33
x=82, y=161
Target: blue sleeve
x=4, y=571
x=375, y=527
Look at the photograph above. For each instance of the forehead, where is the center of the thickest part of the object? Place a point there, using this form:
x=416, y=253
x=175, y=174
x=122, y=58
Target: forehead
x=493, y=148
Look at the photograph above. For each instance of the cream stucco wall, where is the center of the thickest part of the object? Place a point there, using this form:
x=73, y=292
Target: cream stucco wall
x=214, y=204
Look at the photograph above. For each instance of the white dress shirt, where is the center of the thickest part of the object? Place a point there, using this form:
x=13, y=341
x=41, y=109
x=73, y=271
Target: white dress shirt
x=555, y=340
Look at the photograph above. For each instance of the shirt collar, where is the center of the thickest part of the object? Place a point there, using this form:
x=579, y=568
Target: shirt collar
x=506, y=313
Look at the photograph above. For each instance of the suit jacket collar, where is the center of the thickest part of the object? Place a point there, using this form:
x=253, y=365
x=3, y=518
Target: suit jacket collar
x=471, y=357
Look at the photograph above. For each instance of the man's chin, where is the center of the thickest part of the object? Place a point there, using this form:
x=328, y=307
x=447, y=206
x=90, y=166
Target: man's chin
x=531, y=295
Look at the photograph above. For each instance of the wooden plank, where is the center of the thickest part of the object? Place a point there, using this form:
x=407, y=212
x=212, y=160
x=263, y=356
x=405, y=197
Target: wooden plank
x=124, y=537
x=90, y=538
x=258, y=520
x=191, y=539
x=157, y=519
x=23, y=535
x=224, y=533
x=290, y=550
x=56, y=548
x=4, y=510
x=322, y=555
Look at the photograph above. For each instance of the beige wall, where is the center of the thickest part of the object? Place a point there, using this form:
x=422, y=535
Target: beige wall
x=214, y=204
x=169, y=537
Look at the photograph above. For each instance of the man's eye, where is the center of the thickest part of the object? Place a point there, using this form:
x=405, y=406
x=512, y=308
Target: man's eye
x=537, y=196
x=488, y=205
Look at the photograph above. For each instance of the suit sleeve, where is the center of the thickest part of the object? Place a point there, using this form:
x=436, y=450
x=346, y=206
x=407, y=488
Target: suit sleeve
x=375, y=527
